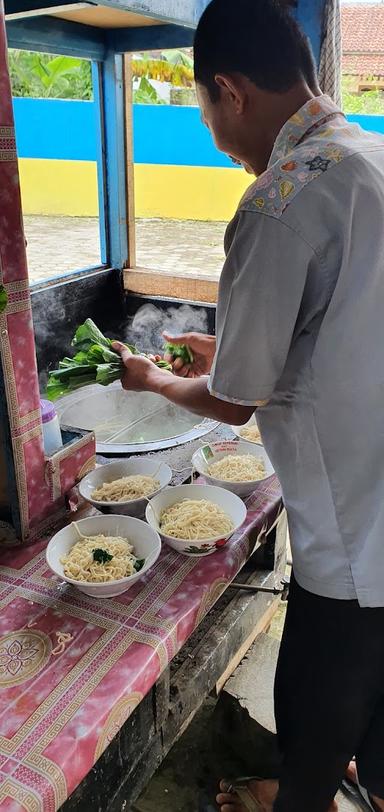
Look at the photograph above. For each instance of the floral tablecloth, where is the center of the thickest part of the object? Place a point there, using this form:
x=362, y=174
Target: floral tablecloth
x=73, y=668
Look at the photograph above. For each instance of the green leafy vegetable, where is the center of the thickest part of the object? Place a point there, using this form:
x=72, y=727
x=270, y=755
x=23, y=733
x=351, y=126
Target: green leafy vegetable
x=101, y=556
x=95, y=362
x=88, y=334
x=139, y=564
x=3, y=298
x=163, y=365
x=180, y=351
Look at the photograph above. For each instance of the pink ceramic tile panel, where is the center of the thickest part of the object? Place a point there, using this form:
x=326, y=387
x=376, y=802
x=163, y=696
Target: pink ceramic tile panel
x=9, y=805
x=13, y=242
x=70, y=467
x=39, y=490
x=72, y=668
x=5, y=88
x=39, y=493
x=21, y=338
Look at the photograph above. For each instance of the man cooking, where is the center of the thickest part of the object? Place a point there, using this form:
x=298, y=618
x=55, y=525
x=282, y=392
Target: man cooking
x=299, y=337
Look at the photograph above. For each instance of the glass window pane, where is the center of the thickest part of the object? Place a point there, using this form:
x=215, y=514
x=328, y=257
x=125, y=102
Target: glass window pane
x=56, y=132
x=363, y=62
x=186, y=191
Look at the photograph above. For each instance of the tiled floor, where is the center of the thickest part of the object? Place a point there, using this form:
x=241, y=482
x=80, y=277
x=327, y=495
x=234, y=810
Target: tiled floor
x=57, y=245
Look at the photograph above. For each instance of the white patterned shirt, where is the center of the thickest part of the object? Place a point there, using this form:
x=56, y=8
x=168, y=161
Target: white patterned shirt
x=300, y=323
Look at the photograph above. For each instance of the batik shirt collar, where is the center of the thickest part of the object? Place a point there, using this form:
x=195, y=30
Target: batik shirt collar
x=311, y=116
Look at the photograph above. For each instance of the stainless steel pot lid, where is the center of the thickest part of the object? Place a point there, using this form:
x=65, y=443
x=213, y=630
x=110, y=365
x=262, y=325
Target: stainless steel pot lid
x=130, y=422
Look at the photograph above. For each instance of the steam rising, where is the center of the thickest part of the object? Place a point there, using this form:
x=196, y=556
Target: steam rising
x=150, y=322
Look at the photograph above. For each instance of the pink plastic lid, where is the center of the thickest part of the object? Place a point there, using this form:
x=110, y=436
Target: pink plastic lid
x=47, y=411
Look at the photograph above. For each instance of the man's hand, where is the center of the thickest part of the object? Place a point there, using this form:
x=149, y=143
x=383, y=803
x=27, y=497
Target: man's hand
x=142, y=375
x=138, y=370
x=203, y=349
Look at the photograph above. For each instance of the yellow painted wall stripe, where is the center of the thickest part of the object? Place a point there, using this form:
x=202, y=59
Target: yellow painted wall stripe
x=188, y=192
x=57, y=188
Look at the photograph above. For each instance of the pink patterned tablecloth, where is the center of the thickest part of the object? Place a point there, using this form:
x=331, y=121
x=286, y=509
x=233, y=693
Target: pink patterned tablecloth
x=72, y=668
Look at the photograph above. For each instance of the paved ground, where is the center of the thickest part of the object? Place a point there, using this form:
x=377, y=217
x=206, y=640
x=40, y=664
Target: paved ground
x=57, y=245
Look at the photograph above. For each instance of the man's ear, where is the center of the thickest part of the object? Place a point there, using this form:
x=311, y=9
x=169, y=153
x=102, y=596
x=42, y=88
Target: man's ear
x=232, y=89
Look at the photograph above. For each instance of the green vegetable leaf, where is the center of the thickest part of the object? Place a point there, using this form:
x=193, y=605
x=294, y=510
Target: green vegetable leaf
x=110, y=357
x=88, y=334
x=101, y=556
x=55, y=389
x=73, y=371
x=139, y=564
x=108, y=373
x=180, y=351
x=3, y=298
x=164, y=365
x=80, y=358
x=94, y=362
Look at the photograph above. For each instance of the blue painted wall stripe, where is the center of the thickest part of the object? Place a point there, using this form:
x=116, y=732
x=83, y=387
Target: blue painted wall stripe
x=373, y=123
x=53, y=128
x=173, y=135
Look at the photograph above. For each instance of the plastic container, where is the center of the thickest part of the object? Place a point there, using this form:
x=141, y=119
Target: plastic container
x=51, y=428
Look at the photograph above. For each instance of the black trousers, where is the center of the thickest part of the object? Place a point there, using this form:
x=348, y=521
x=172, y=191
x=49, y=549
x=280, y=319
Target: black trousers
x=329, y=700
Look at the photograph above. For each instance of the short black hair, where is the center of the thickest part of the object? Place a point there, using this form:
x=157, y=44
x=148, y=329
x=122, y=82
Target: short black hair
x=258, y=38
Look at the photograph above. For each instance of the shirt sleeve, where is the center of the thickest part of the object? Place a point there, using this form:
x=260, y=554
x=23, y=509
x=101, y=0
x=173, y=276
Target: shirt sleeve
x=260, y=294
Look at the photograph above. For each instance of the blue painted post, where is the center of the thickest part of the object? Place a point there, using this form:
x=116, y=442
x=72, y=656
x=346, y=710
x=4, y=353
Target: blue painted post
x=100, y=158
x=114, y=160
x=310, y=14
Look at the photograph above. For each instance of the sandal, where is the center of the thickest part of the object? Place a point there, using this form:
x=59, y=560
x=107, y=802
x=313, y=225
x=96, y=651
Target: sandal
x=357, y=793
x=240, y=787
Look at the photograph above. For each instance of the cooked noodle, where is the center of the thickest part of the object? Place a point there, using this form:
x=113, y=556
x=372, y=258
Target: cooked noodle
x=79, y=563
x=250, y=433
x=238, y=468
x=126, y=489
x=195, y=519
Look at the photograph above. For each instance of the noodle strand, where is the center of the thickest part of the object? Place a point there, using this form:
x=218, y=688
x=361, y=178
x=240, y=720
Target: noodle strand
x=238, y=468
x=126, y=489
x=195, y=519
x=80, y=564
x=250, y=433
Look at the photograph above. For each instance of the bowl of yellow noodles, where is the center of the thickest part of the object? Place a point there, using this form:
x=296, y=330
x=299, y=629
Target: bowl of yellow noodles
x=236, y=466
x=195, y=519
x=125, y=486
x=249, y=432
x=103, y=556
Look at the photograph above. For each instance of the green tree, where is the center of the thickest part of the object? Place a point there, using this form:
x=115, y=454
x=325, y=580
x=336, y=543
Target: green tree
x=368, y=102
x=44, y=76
x=174, y=67
x=146, y=93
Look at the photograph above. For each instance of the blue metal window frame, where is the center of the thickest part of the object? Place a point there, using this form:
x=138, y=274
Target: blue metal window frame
x=105, y=50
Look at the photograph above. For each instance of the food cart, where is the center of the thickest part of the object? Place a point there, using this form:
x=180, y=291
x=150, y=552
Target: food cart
x=93, y=694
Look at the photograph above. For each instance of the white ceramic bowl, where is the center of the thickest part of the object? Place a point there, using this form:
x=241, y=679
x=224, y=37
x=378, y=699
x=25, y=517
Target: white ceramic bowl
x=225, y=449
x=145, y=539
x=251, y=422
x=116, y=470
x=229, y=502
